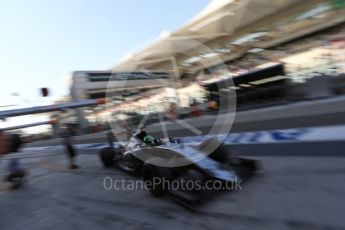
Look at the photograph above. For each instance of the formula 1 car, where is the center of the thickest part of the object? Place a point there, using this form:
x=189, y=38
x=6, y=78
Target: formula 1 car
x=162, y=165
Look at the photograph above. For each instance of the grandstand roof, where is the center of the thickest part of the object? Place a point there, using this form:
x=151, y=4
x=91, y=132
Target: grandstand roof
x=222, y=31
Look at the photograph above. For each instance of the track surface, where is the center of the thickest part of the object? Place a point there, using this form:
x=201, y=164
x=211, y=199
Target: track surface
x=288, y=193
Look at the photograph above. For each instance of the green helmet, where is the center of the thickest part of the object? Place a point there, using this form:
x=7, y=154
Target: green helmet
x=149, y=140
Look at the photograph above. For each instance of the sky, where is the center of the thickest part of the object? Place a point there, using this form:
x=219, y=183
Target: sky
x=43, y=41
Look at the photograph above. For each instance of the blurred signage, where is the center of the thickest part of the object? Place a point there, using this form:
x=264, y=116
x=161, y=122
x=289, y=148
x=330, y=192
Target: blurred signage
x=328, y=133
x=127, y=76
x=314, y=134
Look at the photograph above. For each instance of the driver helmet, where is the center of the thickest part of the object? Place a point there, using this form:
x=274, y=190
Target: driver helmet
x=149, y=140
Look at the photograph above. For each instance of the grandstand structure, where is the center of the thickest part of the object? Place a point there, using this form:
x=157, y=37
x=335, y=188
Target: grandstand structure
x=229, y=29
x=266, y=47
x=262, y=52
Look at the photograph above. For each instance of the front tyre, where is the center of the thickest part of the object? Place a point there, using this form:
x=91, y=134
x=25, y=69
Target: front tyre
x=155, y=177
x=107, y=156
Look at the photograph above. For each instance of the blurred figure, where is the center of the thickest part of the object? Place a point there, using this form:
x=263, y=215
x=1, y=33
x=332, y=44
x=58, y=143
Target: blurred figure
x=9, y=143
x=4, y=143
x=196, y=110
x=16, y=173
x=110, y=139
x=213, y=106
x=66, y=136
x=172, y=114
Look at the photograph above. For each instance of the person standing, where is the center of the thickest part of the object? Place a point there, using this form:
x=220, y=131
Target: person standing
x=69, y=148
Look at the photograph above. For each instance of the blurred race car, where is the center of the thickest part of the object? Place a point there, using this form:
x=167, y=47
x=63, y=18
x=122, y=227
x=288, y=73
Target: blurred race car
x=163, y=164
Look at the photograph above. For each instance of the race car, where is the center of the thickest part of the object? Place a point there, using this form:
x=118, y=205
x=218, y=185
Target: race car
x=163, y=164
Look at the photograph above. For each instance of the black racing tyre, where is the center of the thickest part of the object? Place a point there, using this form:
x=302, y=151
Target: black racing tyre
x=156, y=177
x=190, y=187
x=107, y=156
x=250, y=164
x=195, y=179
x=220, y=154
x=196, y=175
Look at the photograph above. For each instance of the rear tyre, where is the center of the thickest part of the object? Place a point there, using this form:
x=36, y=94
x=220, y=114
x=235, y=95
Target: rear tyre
x=107, y=156
x=250, y=164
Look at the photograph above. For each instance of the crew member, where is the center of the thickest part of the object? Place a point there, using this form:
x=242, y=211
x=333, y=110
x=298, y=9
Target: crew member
x=70, y=150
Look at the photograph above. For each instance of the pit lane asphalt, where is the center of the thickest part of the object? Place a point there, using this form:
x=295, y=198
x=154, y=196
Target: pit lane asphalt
x=288, y=193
